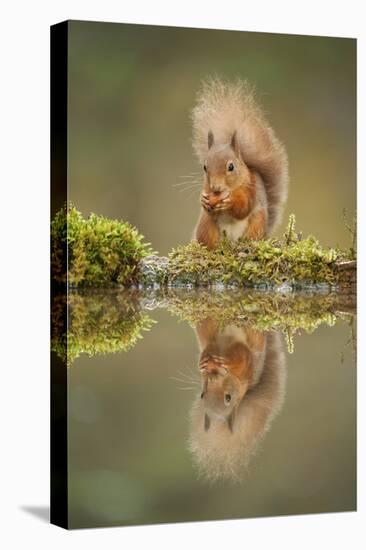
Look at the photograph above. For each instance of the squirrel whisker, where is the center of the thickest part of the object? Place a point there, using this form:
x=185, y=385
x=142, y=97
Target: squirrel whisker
x=191, y=194
x=184, y=374
x=193, y=175
x=185, y=183
x=182, y=381
x=195, y=187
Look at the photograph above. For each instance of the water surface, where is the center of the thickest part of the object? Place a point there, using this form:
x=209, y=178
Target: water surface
x=145, y=447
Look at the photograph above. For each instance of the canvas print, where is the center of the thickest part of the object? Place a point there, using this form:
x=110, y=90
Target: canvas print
x=203, y=266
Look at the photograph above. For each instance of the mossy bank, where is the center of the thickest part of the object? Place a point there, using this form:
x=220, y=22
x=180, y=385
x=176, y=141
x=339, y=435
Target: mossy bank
x=99, y=252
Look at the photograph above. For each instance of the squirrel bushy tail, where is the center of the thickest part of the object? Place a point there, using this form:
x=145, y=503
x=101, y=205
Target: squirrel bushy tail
x=223, y=108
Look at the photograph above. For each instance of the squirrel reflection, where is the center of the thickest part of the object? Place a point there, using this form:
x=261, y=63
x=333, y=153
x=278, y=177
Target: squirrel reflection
x=242, y=389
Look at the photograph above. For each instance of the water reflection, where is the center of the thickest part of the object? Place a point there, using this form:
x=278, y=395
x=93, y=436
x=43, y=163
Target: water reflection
x=96, y=323
x=241, y=367
x=142, y=451
x=114, y=320
x=243, y=378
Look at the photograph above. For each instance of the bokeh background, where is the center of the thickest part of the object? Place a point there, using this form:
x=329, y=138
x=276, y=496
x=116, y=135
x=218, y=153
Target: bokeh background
x=131, y=90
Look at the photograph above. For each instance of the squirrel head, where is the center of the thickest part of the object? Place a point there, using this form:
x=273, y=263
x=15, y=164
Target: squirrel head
x=222, y=448
x=225, y=381
x=224, y=167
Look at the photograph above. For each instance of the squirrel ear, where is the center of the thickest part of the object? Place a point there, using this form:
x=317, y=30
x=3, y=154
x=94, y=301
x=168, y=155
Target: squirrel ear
x=210, y=139
x=234, y=143
x=207, y=422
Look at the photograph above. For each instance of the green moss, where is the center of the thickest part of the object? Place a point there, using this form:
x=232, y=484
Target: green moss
x=113, y=320
x=96, y=324
x=261, y=310
x=103, y=252
x=96, y=251
x=265, y=263
x=290, y=313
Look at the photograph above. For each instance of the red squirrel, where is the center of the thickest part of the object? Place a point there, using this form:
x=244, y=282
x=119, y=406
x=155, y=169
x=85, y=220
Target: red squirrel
x=231, y=363
x=245, y=165
x=243, y=380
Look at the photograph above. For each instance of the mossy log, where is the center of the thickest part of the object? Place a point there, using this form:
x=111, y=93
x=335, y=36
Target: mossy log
x=158, y=271
x=99, y=252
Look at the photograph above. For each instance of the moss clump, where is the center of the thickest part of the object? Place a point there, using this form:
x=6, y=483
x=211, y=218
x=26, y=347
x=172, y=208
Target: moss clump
x=96, y=251
x=95, y=324
x=100, y=252
x=289, y=313
x=261, y=310
x=113, y=320
x=266, y=263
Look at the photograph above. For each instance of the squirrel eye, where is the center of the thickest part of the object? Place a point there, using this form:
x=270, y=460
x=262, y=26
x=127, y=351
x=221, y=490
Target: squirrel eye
x=230, y=167
x=202, y=394
x=205, y=167
x=227, y=398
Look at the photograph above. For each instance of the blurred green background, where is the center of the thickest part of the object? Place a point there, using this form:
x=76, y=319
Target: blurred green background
x=131, y=90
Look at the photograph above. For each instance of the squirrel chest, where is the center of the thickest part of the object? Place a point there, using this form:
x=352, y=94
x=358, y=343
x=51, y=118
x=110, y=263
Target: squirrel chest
x=230, y=227
x=234, y=228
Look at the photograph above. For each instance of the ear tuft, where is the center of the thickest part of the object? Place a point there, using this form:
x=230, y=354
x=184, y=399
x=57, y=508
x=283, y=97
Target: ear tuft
x=230, y=421
x=207, y=422
x=234, y=143
x=210, y=139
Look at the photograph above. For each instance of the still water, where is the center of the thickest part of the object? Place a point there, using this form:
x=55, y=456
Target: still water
x=209, y=419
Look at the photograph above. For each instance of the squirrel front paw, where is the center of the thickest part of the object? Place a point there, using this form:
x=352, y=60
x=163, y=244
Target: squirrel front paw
x=205, y=201
x=216, y=202
x=204, y=359
x=224, y=204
